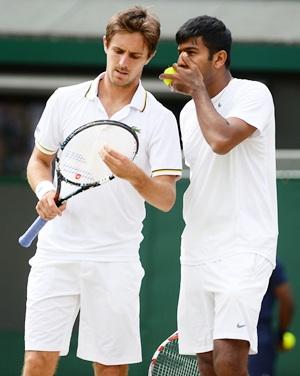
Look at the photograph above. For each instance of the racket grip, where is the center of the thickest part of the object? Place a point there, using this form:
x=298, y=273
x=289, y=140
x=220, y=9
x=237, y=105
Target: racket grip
x=27, y=238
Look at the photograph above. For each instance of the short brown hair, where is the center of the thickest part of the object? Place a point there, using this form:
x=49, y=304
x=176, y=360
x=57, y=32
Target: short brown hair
x=136, y=19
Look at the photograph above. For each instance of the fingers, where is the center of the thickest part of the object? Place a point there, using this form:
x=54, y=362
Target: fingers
x=111, y=157
x=113, y=153
x=47, y=208
x=186, y=59
x=167, y=76
x=119, y=164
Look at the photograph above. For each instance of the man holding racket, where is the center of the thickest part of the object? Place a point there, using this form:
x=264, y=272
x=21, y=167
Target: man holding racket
x=87, y=255
x=230, y=209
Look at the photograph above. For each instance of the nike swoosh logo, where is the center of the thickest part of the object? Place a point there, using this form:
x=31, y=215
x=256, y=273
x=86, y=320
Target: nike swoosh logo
x=238, y=325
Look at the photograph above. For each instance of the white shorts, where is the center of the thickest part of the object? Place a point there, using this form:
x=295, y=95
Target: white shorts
x=107, y=295
x=221, y=299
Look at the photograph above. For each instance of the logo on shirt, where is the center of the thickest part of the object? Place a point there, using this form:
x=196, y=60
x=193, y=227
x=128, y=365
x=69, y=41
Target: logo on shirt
x=137, y=130
x=240, y=325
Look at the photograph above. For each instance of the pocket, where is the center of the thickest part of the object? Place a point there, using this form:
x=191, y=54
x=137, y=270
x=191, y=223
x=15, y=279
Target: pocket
x=261, y=266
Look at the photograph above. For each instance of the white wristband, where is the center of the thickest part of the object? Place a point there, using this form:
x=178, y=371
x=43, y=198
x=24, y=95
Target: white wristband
x=43, y=187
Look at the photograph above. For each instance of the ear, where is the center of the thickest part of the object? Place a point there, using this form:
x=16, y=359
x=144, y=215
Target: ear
x=219, y=59
x=105, y=45
x=150, y=58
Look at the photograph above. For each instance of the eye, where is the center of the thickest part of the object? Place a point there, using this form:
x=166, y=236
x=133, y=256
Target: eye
x=191, y=53
x=135, y=57
x=118, y=51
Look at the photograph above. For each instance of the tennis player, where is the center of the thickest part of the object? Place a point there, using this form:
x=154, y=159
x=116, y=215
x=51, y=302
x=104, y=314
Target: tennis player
x=87, y=257
x=230, y=209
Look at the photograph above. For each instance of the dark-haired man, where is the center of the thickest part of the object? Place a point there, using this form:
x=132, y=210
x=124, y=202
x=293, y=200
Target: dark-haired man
x=230, y=209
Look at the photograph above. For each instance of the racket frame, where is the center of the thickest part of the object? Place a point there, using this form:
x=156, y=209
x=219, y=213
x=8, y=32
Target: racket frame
x=173, y=338
x=26, y=239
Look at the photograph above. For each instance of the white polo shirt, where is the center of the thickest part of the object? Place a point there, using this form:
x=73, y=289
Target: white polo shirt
x=105, y=223
x=230, y=205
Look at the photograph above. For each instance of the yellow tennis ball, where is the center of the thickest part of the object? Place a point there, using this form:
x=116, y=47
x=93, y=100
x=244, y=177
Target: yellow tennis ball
x=288, y=340
x=169, y=70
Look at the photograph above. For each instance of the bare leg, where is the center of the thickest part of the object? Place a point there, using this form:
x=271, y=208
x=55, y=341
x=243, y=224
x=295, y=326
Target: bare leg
x=231, y=357
x=40, y=363
x=205, y=364
x=102, y=370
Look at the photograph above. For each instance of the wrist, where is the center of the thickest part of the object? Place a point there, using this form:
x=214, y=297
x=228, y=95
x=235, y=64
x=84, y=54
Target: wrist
x=138, y=181
x=44, y=187
x=199, y=92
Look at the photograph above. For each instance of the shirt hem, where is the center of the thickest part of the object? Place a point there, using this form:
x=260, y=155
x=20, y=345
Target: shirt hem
x=186, y=261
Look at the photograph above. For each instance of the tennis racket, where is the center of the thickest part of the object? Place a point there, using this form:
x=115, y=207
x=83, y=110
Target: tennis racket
x=79, y=164
x=167, y=361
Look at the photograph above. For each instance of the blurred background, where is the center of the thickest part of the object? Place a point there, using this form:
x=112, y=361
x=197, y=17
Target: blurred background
x=47, y=44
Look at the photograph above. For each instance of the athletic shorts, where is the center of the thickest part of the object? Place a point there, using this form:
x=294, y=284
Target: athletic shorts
x=107, y=296
x=221, y=299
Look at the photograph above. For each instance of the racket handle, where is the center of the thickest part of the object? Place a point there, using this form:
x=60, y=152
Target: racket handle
x=27, y=238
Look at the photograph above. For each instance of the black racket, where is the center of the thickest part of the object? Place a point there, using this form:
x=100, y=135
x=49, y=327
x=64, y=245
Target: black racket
x=78, y=161
x=167, y=361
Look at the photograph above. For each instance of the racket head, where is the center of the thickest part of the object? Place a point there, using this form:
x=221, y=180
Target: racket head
x=79, y=162
x=167, y=361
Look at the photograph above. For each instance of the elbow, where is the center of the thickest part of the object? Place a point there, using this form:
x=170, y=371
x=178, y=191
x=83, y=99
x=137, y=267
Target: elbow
x=166, y=209
x=168, y=205
x=220, y=147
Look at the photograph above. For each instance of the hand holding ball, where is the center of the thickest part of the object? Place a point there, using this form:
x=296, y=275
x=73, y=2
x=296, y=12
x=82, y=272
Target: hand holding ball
x=288, y=341
x=169, y=70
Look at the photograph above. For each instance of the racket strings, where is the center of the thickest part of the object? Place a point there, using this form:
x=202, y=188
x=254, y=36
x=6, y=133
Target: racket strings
x=170, y=363
x=73, y=173
x=74, y=156
x=80, y=162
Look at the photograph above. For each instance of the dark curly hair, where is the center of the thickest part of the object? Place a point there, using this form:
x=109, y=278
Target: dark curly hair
x=213, y=32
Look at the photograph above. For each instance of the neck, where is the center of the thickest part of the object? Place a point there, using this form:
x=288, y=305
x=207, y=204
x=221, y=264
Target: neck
x=120, y=94
x=219, y=84
x=113, y=97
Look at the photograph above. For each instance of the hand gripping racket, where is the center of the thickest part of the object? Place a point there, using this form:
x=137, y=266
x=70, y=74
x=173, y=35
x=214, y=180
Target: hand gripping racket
x=167, y=361
x=78, y=161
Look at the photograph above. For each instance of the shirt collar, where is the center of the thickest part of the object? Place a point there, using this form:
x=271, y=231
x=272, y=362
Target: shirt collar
x=139, y=100
x=92, y=91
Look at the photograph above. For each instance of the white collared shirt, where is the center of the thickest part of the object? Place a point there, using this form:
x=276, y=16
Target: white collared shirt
x=105, y=223
x=230, y=205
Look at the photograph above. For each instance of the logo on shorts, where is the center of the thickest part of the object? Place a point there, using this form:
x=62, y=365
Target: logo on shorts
x=240, y=325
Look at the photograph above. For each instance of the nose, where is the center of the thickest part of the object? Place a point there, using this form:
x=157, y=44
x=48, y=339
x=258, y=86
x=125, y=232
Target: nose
x=180, y=61
x=123, y=60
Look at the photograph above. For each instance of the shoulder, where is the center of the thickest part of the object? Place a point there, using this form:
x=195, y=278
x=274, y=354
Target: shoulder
x=188, y=106
x=65, y=98
x=250, y=86
x=73, y=91
x=187, y=109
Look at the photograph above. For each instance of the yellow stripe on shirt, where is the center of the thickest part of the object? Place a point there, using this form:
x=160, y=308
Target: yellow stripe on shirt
x=44, y=150
x=167, y=171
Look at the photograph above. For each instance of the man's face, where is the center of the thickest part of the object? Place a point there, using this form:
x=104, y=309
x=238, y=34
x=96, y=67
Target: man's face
x=127, y=54
x=200, y=55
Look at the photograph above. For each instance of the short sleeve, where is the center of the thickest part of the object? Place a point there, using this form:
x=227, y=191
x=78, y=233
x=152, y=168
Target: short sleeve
x=254, y=105
x=164, y=148
x=47, y=134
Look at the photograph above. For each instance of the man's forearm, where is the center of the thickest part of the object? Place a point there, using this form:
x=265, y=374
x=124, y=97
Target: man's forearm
x=38, y=169
x=213, y=126
x=159, y=192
